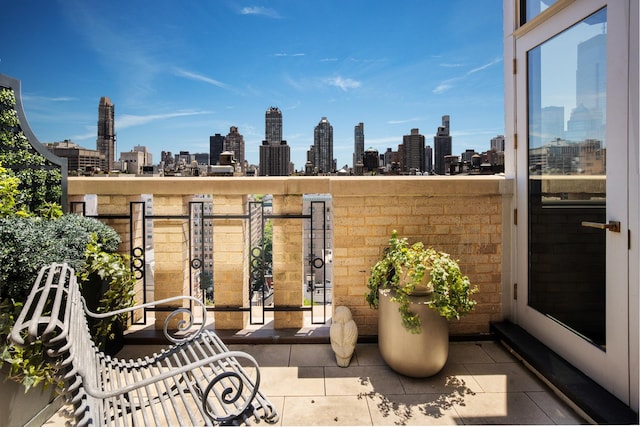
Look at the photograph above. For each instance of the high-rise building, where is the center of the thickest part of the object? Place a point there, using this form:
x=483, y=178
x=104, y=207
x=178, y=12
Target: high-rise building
x=587, y=120
x=497, y=143
x=79, y=159
x=323, y=146
x=274, y=159
x=387, y=159
x=358, y=144
x=428, y=159
x=467, y=156
x=275, y=154
x=273, y=125
x=442, y=144
x=551, y=125
x=147, y=156
x=106, y=142
x=201, y=158
x=183, y=159
x=371, y=160
x=413, y=151
x=216, y=147
x=317, y=244
x=132, y=162
x=166, y=158
x=234, y=142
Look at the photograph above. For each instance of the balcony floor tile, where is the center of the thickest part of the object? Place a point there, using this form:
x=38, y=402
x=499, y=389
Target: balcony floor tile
x=482, y=383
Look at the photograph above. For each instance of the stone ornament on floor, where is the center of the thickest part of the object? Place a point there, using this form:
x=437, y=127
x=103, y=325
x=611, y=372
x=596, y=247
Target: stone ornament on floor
x=344, y=335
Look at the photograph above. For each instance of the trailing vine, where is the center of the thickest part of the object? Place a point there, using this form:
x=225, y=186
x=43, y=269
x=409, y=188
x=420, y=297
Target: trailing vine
x=404, y=267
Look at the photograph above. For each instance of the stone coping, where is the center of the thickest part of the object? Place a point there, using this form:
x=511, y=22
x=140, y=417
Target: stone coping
x=334, y=185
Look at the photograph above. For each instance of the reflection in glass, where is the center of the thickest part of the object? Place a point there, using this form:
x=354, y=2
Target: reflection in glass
x=533, y=8
x=567, y=176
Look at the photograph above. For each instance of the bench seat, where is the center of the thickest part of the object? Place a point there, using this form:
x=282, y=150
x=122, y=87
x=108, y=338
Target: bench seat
x=194, y=381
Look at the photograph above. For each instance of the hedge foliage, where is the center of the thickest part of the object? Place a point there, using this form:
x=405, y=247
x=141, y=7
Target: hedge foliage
x=40, y=181
x=26, y=244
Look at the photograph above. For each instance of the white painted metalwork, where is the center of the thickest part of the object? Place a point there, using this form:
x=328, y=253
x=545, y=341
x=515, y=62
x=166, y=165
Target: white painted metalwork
x=194, y=381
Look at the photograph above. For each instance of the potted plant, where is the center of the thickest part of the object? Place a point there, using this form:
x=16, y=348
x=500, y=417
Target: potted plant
x=107, y=284
x=33, y=233
x=418, y=290
x=28, y=242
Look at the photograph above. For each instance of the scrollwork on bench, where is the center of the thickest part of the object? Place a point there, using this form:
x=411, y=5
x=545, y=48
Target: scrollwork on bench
x=194, y=381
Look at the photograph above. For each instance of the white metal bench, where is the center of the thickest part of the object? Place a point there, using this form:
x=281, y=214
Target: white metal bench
x=195, y=381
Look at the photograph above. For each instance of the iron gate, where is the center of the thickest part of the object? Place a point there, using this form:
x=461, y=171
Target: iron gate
x=261, y=289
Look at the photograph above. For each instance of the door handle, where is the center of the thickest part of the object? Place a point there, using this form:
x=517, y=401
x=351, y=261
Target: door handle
x=611, y=226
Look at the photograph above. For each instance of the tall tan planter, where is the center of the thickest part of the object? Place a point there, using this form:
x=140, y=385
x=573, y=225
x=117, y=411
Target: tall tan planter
x=414, y=355
x=18, y=408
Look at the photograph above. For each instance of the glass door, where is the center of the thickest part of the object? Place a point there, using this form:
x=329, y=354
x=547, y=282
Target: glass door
x=573, y=253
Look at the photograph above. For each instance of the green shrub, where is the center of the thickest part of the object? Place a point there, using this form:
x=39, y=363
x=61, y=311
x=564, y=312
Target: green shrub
x=39, y=180
x=27, y=244
x=107, y=284
x=31, y=185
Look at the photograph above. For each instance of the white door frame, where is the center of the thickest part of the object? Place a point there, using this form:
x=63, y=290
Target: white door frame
x=612, y=368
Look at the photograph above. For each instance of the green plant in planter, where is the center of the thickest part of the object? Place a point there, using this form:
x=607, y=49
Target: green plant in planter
x=408, y=270
x=107, y=283
x=26, y=244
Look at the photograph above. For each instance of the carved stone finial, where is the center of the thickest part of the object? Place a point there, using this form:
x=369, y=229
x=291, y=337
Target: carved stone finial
x=344, y=335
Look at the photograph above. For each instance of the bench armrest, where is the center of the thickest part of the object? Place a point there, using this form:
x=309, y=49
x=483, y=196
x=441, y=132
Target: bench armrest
x=183, y=325
x=179, y=370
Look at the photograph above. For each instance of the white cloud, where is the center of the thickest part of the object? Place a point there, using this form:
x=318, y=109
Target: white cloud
x=445, y=85
x=442, y=87
x=200, y=77
x=401, y=122
x=129, y=120
x=288, y=54
x=344, y=84
x=296, y=84
x=476, y=132
x=88, y=135
x=259, y=10
x=383, y=141
x=47, y=98
x=485, y=66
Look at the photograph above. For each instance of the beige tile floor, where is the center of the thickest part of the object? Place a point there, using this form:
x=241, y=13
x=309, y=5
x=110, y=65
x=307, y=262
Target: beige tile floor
x=482, y=383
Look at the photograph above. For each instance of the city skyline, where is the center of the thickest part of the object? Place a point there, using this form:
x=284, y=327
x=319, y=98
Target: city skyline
x=179, y=76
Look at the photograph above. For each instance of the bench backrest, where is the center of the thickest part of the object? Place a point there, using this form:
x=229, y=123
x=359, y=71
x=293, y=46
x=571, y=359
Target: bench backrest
x=54, y=314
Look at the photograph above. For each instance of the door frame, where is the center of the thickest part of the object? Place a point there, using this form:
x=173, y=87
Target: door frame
x=623, y=348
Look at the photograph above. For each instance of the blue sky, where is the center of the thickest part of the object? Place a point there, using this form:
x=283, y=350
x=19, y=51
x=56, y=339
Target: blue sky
x=180, y=71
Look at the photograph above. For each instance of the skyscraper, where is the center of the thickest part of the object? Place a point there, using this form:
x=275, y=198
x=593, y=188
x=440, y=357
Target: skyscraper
x=413, y=151
x=275, y=154
x=273, y=125
x=106, y=142
x=442, y=144
x=216, y=147
x=323, y=146
x=234, y=142
x=587, y=120
x=358, y=144
x=371, y=160
x=497, y=143
x=428, y=159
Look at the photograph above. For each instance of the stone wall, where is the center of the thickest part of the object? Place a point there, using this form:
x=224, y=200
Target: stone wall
x=467, y=217
x=465, y=221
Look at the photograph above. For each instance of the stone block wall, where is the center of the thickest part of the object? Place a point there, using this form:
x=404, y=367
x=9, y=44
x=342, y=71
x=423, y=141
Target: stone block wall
x=171, y=237
x=468, y=217
x=466, y=221
x=230, y=262
x=287, y=260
